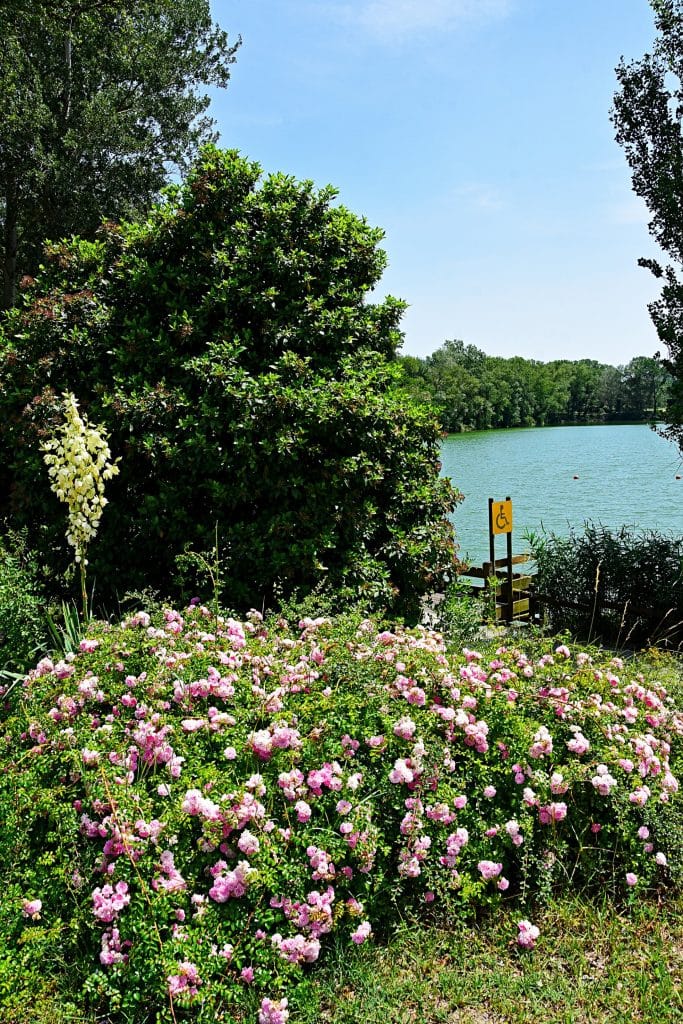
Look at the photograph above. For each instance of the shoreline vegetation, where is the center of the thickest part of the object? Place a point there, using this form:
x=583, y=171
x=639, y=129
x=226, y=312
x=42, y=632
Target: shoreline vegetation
x=607, y=422
x=471, y=390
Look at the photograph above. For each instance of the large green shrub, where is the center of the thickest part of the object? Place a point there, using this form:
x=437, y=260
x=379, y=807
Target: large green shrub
x=623, y=587
x=227, y=346
x=191, y=808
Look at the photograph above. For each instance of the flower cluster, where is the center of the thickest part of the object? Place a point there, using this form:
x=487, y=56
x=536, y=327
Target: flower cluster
x=240, y=790
x=79, y=462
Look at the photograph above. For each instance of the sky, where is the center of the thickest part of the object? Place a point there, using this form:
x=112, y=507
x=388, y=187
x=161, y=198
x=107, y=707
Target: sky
x=476, y=134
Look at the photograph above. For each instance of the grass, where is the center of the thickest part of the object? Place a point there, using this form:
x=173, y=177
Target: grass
x=592, y=965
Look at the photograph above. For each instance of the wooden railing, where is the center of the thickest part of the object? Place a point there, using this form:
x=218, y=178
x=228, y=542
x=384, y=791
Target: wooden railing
x=514, y=593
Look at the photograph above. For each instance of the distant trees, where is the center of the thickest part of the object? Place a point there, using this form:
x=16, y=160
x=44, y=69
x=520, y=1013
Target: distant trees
x=473, y=391
x=648, y=117
x=100, y=99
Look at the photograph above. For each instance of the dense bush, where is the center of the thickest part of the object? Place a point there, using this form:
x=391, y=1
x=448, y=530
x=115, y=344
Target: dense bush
x=189, y=807
x=23, y=629
x=622, y=587
x=250, y=390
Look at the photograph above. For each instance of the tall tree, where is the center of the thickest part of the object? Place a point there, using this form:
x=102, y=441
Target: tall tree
x=648, y=117
x=101, y=100
x=645, y=388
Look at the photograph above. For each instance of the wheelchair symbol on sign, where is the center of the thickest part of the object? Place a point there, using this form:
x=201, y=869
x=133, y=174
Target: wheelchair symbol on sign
x=502, y=521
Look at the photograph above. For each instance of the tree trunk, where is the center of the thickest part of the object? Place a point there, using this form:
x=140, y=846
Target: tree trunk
x=9, y=263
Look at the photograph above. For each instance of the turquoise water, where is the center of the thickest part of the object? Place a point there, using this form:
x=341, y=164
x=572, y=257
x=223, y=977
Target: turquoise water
x=561, y=476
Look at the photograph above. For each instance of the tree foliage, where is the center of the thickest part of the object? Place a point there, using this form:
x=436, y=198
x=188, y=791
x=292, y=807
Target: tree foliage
x=251, y=391
x=474, y=391
x=100, y=100
x=648, y=117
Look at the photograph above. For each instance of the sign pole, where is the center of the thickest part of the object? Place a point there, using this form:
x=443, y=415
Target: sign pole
x=500, y=521
x=510, y=586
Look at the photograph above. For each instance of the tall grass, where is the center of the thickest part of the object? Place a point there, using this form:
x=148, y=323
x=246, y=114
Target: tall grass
x=620, y=587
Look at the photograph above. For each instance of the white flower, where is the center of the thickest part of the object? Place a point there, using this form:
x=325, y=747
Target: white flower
x=78, y=462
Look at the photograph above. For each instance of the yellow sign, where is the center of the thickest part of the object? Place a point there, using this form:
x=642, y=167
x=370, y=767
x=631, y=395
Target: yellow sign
x=501, y=517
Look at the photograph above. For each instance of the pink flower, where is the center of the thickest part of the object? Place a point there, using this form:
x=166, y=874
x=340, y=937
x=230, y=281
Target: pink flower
x=528, y=933
x=543, y=743
x=139, y=619
x=578, y=745
x=186, y=980
x=229, y=884
x=405, y=728
x=248, y=843
x=108, y=901
x=88, y=646
x=603, y=781
x=631, y=879
x=488, y=869
x=361, y=933
x=32, y=909
x=195, y=803
x=193, y=724
x=303, y=811
x=489, y=792
x=273, y=1011
x=557, y=784
x=556, y=811
x=261, y=742
x=660, y=859
x=112, y=949
x=172, y=881
x=401, y=772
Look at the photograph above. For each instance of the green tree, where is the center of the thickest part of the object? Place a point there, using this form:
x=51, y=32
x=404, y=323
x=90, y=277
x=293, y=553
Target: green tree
x=648, y=116
x=646, y=386
x=101, y=100
x=227, y=346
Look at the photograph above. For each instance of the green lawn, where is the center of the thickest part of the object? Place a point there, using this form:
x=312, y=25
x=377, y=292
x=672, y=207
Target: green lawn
x=591, y=965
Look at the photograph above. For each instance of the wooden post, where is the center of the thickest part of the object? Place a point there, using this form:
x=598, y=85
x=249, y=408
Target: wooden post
x=510, y=586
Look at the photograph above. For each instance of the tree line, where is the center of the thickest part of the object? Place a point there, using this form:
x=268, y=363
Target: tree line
x=474, y=391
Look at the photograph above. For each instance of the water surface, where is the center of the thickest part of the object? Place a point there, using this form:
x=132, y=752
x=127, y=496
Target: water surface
x=556, y=476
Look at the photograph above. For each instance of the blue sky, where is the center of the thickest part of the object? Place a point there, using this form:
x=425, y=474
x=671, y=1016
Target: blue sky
x=476, y=133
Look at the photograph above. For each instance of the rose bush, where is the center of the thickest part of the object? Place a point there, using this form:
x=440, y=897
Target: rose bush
x=190, y=806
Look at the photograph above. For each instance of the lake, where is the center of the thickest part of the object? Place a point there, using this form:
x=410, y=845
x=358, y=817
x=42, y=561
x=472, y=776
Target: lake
x=559, y=476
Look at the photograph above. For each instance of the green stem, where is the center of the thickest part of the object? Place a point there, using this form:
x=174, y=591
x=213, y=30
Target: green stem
x=84, y=593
